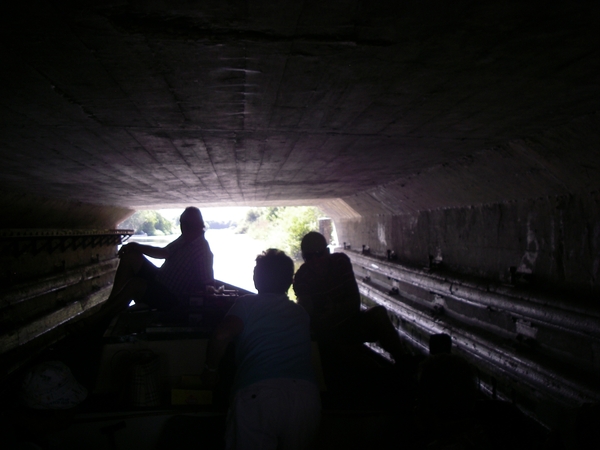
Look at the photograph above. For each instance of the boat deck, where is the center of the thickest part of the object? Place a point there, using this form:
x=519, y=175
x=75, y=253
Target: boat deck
x=367, y=402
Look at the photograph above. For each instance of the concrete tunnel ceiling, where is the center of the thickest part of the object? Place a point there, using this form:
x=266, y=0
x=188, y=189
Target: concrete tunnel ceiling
x=391, y=105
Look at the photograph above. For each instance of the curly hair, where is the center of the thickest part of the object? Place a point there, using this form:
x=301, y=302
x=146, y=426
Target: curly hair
x=274, y=272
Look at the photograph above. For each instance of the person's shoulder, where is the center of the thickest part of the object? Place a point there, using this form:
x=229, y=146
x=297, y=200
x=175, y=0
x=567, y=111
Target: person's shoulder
x=242, y=303
x=303, y=268
x=339, y=256
x=326, y=262
x=282, y=302
x=339, y=259
x=199, y=244
x=246, y=298
x=315, y=268
x=305, y=273
x=297, y=311
x=175, y=243
x=199, y=240
x=177, y=240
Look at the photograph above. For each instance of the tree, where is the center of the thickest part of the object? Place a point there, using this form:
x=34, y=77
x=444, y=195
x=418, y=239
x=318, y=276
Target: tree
x=148, y=222
x=296, y=222
x=281, y=227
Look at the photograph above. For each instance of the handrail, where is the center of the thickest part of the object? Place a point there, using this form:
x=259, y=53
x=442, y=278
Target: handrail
x=25, y=291
x=34, y=241
x=553, y=312
x=538, y=377
x=52, y=320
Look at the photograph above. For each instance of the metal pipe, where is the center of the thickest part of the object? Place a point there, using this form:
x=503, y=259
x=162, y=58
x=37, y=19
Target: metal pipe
x=54, y=319
x=53, y=283
x=532, y=307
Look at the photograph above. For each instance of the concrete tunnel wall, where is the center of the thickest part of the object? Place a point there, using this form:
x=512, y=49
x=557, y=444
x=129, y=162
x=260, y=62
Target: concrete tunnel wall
x=553, y=241
x=57, y=264
x=29, y=211
x=531, y=204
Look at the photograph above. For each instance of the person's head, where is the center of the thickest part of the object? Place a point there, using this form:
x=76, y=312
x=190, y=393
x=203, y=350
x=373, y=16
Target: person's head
x=191, y=221
x=313, y=245
x=447, y=386
x=274, y=272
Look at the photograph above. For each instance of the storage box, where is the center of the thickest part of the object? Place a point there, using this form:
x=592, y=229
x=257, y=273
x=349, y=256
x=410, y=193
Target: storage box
x=189, y=391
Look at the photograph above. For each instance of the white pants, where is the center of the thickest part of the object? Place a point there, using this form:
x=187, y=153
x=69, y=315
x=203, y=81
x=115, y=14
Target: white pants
x=281, y=413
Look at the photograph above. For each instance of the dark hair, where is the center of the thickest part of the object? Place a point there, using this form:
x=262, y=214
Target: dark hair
x=191, y=219
x=313, y=245
x=274, y=272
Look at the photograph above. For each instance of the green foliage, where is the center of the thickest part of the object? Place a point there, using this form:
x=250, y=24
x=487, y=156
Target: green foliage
x=281, y=227
x=150, y=222
x=252, y=215
x=273, y=213
x=148, y=228
x=218, y=224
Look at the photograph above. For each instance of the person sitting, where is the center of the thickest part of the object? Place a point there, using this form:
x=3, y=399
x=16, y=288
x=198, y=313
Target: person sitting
x=326, y=287
x=188, y=269
x=276, y=401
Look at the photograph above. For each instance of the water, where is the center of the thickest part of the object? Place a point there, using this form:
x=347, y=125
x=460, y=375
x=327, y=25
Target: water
x=234, y=255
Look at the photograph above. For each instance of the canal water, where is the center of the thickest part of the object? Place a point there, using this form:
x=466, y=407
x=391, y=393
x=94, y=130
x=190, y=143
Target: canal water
x=234, y=254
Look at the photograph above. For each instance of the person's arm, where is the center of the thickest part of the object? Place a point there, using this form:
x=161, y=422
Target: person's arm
x=305, y=301
x=301, y=289
x=226, y=331
x=148, y=250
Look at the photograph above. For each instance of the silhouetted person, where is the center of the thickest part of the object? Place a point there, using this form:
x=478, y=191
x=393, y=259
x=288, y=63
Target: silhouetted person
x=276, y=401
x=326, y=287
x=447, y=391
x=188, y=269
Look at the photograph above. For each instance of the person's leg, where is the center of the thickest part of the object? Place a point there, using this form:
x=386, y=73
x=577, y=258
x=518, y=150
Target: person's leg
x=274, y=414
x=130, y=265
x=131, y=281
x=157, y=296
x=300, y=406
x=133, y=289
x=252, y=420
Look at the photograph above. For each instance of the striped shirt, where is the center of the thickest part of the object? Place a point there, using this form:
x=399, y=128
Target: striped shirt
x=188, y=267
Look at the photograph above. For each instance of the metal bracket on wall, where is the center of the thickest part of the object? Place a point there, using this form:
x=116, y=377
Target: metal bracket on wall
x=17, y=242
x=439, y=305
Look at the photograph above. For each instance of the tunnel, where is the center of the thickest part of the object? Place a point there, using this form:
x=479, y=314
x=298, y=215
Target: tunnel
x=455, y=146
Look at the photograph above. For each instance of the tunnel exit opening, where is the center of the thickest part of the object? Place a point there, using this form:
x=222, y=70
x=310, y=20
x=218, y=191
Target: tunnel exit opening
x=236, y=234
